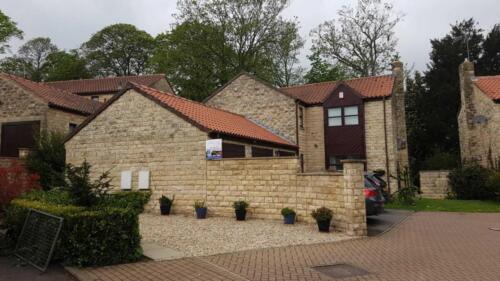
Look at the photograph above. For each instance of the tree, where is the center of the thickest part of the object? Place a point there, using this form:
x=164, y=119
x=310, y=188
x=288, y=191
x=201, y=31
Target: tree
x=362, y=39
x=322, y=71
x=237, y=35
x=442, y=80
x=34, y=53
x=66, y=66
x=48, y=159
x=8, y=30
x=185, y=55
x=286, y=55
x=119, y=49
x=31, y=59
x=489, y=63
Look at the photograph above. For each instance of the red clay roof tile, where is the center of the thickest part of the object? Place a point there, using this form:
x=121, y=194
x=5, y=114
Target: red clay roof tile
x=56, y=97
x=490, y=85
x=317, y=93
x=213, y=119
x=102, y=85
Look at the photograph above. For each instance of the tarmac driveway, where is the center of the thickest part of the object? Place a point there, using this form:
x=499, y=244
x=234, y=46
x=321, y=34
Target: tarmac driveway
x=425, y=246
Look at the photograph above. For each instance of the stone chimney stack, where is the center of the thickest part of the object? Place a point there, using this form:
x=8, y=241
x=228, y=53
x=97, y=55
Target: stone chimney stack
x=399, y=115
x=466, y=73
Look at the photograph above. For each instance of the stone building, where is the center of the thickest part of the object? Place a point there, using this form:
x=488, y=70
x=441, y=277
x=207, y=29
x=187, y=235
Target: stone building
x=479, y=117
x=26, y=107
x=149, y=139
x=102, y=89
x=360, y=118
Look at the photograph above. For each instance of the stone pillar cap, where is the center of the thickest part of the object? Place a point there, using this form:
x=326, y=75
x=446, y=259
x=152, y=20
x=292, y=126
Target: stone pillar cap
x=353, y=161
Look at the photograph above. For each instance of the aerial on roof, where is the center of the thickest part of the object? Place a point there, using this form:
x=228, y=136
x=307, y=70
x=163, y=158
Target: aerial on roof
x=490, y=85
x=208, y=119
x=56, y=97
x=317, y=93
x=103, y=85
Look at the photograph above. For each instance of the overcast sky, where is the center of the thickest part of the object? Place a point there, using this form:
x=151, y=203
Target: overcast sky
x=71, y=22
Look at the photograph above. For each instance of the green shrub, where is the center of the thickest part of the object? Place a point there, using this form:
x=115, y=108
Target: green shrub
x=441, y=161
x=48, y=159
x=127, y=199
x=240, y=205
x=493, y=183
x=166, y=201
x=322, y=214
x=89, y=237
x=56, y=196
x=81, y=189
x=287, y=211
x=469, y=182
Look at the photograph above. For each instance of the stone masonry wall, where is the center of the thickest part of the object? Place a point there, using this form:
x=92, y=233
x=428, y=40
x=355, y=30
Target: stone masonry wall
x=312, y=142
x=481, y=142
x=260, y=103
x=375, y=139
x=434, y=184
x=18, y=105
x=274, y=183
x=59, y=121
x=135, y=133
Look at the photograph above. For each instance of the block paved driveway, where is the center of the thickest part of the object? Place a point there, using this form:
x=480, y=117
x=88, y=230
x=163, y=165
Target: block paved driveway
x=426, y=246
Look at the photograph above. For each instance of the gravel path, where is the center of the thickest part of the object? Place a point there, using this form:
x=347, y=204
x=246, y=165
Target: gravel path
x=216, y=235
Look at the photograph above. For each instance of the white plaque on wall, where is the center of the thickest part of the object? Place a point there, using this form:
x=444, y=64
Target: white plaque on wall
x=126, y=180
x=143, y=179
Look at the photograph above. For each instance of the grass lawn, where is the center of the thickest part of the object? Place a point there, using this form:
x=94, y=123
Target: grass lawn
x=438, y=205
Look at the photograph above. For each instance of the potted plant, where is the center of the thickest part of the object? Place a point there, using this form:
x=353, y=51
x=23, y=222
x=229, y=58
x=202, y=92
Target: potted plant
x=201, y=209
x=323, y=217
x=165, y=204
x=240, y=209
x=288, y=215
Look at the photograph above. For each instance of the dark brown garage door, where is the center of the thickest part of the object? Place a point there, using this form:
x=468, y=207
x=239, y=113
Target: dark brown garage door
x=18, y=135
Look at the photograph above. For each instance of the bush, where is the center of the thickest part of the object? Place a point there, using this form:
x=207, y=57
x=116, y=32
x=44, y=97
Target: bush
x=81, y=189
x=287, y=211
x=14, y=181
x=322, y=214
x=165, y=201
x=89, y=237
x=56, y=196
x=469, y=182
x=493, y=183
x=441, y=161
x=48, y=159
x=240, y=205
x=135, y=200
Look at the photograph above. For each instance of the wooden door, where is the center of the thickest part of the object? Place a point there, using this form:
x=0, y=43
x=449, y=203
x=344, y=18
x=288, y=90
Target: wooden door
x=18, y=135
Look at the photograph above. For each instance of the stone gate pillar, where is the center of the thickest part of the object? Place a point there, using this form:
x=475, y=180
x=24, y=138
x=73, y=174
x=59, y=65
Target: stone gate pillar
x=354, y=198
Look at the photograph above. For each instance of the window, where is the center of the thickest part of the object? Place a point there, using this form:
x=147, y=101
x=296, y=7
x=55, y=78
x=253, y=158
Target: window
x=72, y=127
x=96, y=98
x=231, y=150
x=301, y=117
x=351, y=115
x=335, y=117
x=261, y=152
x=282, y=153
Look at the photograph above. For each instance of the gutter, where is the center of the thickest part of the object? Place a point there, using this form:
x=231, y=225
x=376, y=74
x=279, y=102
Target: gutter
x=386, y=148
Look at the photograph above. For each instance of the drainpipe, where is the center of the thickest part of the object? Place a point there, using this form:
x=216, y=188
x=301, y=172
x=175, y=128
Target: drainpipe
x=386, y=149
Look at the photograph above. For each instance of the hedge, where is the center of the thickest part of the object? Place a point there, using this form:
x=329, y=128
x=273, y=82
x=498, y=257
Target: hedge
x=89, y=237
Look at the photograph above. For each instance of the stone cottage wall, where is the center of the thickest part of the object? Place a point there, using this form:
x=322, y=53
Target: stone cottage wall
x=260, y=103
x=135, y=134
x=434, y=184
x=375, y=139
x=59, y=121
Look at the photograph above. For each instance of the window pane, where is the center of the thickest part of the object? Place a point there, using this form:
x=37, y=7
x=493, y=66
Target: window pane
x=335, y=121
x=351, y=120
x=351, y=110
x=334, y=112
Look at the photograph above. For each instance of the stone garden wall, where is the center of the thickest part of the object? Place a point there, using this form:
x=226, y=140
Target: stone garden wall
x=434, y=184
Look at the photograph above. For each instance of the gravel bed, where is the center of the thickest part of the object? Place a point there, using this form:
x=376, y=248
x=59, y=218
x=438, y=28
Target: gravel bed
x=216, y=235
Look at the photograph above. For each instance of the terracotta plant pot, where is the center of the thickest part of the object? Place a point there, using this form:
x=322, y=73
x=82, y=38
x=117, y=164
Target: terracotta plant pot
x=240, y=214
x=324, y=226
x=165, y=209
x=201, y=213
